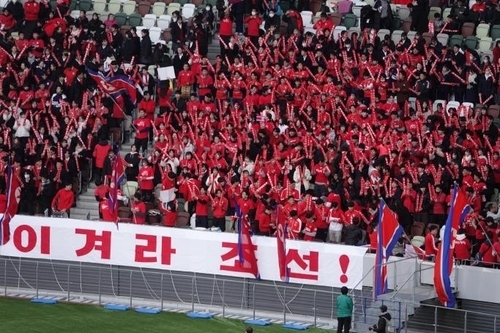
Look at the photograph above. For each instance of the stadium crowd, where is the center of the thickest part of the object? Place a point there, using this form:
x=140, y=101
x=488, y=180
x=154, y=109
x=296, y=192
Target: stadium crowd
x=322, y=124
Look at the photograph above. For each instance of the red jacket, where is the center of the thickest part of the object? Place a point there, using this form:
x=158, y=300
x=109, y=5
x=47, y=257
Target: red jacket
x=202, y=205
x=462, y=248
x=149, y=107
x=63, y=200
x=226, y=27
x=139, y=208
x=265, y=223
x=253, y=26
x=169, y=216
x=106, y=213
x=8, y=21
x=430, y=245
x=146, y=175
x=143, y=125
x=219, y=207
x=101, y=150
x=31, y=10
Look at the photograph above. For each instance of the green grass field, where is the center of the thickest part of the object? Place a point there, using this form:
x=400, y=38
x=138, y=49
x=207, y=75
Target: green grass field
x=21, y=316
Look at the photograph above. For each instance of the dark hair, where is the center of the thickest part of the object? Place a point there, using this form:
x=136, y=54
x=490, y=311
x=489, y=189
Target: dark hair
x=344, y=290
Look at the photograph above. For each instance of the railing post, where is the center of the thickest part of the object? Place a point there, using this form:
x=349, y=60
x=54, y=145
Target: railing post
x=406, y=318
x=69, y=285
x=99, y=285
x=253, y=300
x=130, y=288
x=495, y=325
x=36, y=281
x=395, y=276
x=364, y=310
x=435, y=319
x=314, y=309
x=5, y=278
x=465, y=322
x=399, y=315
x=192, y=294
x=161, y=292
x=223, y=298
x=284, y=306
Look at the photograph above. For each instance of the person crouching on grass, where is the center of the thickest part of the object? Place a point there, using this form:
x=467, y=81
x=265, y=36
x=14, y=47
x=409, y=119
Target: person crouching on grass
x=64, y=199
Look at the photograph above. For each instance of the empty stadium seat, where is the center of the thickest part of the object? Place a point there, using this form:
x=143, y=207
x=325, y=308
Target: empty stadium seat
x=103, y=16
x=74, y=14
x=158, y=9
x=344, y=7
x=456, y=40
x=485, y=44
x=149, y=20
x=446, y=13
x=349, y=20
x=411, y=35
x=427, y=36
x=143, y=8
x=99, y=6
x=173, y=7
x=188, y=10
x=134, y=20
x=336, y=18
x=471, y=42
x=443, y=39
x=155, y=34
x=406, y=25
x=495, y=32
x=121, y=19
x=114, y=6
x=468, y=29
x=482, y=30
x=84, y=5
x=396, y=36
x=163, y=22
x=403, y=13
x=306, y=18
x=129, y=7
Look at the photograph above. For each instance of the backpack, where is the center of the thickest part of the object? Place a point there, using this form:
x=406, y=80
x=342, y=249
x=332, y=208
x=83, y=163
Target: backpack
x=388, y=327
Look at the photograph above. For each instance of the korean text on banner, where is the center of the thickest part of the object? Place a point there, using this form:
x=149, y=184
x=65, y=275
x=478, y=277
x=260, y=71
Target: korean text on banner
x=180, y=250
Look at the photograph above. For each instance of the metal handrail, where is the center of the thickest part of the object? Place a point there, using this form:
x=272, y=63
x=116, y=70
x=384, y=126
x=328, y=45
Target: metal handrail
x=407, y=280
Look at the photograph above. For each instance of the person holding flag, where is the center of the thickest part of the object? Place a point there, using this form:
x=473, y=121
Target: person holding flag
x=246, y=249
x=13, y=194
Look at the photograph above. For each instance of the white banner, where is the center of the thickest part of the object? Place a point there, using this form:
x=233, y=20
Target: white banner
x=179, y=250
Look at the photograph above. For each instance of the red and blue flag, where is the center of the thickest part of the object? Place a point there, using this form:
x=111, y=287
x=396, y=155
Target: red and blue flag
x=443, y=266
x=281, y=231
x=246, y=250
x=13, y=196
x=114, y=86
x=388, y=233
x=117, y=178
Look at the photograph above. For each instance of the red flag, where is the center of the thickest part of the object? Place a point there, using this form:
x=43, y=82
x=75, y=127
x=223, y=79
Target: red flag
x=13, y=197
x=281, y=243
x=118, y=175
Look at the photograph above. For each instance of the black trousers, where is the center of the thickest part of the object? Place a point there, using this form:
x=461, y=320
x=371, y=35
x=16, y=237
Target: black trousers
x=220, y=222
x=344, y=324
x=141, y=144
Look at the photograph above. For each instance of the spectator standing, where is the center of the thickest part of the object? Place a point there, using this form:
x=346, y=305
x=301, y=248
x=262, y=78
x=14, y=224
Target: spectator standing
x=139, y=210
x=430, y=244
x=219, y=208
x=345, y=307
x=253, y=23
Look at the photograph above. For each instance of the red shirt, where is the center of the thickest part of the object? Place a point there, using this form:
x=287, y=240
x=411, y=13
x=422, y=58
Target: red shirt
x=462, y=249
x=105, y=210
x=226, y=27
x=265, y=223
x=202, y=205
x=31, y=10
x=310, y=231
x=143, y=125
x=149, y=107
x=63, y=200
x=139, y=207
x=253, y=26
x=145, y=178
x=219, y=207
x=430, y=245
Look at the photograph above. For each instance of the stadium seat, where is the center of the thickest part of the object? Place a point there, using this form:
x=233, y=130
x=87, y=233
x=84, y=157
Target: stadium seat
x=173, y=7
x=114, y=6
x=143, y=8
x=427, y=36
x=74, y=14
x=84, y=5
x=495, y=32
x=354, y=30
x=452, y=105
x=89, y=15
x=139, y=28
x=349, y=21
x=306, y=18
x=485, y=44
x=336, y=18
x=406, y=25
x=182, y=2
x=103, y=16
x=411, y=35
x=129, y=188
x=188, y=11
x=182, y=220
x=432, y=11
x=316, y=17
x=468, y=29
x=158, y=9
x=129, y=7
x=155, y=34
x=471, y=42
x=149, y=20
x=443, y=39
x=356, y=10
x=167, y=36
x=403, y=13
x=163, y=22
x=121, y=19
x=99, y=6
x=382, y=32
x=482, y=30
x=396, y=36
x=134, y=20
x=494, y=111
x=344, y=7
x=446, y=13
x=456, y=40
x=337, y=31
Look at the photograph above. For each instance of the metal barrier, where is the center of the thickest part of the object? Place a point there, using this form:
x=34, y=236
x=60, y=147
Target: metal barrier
x=224, y=296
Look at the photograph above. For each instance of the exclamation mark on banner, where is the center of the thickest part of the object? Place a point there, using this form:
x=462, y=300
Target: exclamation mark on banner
x=344, y=264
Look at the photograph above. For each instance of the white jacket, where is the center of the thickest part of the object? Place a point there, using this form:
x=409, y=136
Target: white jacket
x=306, y=177
x=22, y=127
